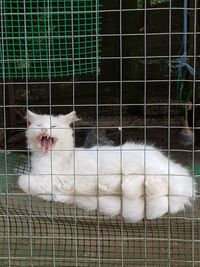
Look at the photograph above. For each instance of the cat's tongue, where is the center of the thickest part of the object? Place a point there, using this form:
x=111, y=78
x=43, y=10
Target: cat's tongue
x=46, y=144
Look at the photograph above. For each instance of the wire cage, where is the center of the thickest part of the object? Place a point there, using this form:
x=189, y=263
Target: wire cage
x=134, y=91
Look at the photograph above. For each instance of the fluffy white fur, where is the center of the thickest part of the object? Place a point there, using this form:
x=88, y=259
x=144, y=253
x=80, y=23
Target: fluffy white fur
x=134, y=180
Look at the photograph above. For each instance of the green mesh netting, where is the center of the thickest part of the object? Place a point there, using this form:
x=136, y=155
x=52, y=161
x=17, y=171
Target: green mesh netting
x=43, y=38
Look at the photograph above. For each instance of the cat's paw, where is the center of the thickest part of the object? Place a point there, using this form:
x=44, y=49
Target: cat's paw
x=109, y=205
x=156, y=186
x=133, y=209
x=105, y=188
x=68, y=188
x=64, y=198
x=63, y=184
x=86, y=202
x=156, y=207
x=109, y=184
x=133, y=186
x=178, y=203
x=85, y=186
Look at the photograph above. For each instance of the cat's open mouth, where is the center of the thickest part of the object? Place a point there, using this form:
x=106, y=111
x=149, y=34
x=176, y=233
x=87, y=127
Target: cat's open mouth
x=46, y=142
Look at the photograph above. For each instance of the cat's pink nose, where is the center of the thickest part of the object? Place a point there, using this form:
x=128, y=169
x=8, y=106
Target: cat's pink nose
x=44, y=130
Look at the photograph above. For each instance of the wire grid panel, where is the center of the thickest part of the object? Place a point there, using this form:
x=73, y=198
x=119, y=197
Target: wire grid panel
x=34, y=232
x=25, y=38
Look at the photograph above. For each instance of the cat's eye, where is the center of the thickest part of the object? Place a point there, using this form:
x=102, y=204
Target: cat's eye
x=53, y=126
x=39, y=125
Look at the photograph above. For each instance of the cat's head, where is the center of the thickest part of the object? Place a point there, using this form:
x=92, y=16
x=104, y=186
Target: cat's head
x=46, y=133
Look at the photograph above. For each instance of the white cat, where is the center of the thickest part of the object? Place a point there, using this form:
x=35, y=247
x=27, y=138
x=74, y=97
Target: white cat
x=133, y=180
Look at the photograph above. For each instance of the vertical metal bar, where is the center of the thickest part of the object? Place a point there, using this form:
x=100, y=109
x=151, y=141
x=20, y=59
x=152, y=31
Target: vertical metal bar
x=121, y=125
x=169, y=129
x=194, y=5
x=5, y=134
x=50, y=113
x=11, y=112
x=97, y=134
x=145, y=129
x=74, y=154
x=27, y=102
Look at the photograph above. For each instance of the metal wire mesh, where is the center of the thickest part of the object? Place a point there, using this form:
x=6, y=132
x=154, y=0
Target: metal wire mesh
x=25, y=30
x=134, y=90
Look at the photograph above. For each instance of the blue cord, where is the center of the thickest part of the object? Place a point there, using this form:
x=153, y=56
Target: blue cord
x=182, y=61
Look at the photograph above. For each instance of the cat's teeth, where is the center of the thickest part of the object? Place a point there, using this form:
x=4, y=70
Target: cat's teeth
x=47, y=137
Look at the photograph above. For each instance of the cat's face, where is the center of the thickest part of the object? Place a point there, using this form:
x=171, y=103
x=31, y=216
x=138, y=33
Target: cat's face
x=46, y=133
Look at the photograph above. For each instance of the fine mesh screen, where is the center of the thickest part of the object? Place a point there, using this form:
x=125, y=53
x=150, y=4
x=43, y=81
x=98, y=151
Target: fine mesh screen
x=35, y=30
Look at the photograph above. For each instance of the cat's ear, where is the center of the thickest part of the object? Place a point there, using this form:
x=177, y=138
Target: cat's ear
x=31, y=117
x=71, y=117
